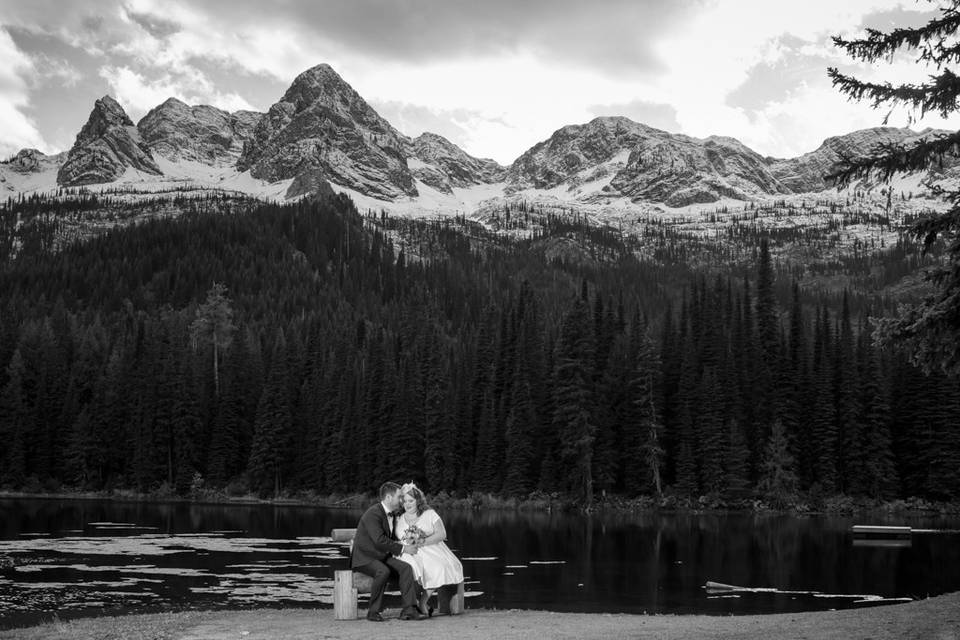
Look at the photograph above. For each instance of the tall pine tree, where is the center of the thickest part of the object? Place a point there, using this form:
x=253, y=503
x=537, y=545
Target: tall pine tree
x=573, y=400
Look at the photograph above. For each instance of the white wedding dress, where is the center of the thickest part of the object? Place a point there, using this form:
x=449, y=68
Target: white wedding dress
x=434, y=565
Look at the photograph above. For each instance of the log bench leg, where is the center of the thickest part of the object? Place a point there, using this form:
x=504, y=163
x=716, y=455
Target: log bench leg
x=344, y=596
x=457, y=602
x=450, y=599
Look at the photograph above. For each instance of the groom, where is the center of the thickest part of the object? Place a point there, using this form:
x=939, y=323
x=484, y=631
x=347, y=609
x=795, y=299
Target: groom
x=375, y=551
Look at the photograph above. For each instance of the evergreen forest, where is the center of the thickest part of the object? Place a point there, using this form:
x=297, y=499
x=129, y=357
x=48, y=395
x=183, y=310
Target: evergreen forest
x=286, y=349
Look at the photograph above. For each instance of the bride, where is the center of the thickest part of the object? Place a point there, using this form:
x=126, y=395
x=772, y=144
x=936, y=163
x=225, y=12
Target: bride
x=434, y=565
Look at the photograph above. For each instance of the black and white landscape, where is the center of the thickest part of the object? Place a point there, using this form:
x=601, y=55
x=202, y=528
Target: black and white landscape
x=627, y=332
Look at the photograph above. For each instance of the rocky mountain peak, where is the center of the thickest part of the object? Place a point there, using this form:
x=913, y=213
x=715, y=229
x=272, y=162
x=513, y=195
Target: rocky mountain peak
x=320, y=82
x=173, y=103
x=429, y=139
x=26, y=161
x=617, y=157
x=322, y=126
x=576, y=148
x=105, y=147
x=106, y=113
x=201, y=133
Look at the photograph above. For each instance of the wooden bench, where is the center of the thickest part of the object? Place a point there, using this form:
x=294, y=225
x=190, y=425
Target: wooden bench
x=347, y=584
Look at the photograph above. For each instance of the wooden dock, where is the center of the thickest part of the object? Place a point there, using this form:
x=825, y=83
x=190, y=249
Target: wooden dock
x=869, y=535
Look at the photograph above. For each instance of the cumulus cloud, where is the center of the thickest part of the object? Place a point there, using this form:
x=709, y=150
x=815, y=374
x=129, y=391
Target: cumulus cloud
x=494, y=77
x=52, y=69
x=515, y=101
x=138, y=94
x=756, y=70
x=717, y=48
x=18, y=130
x=777, y=76
x=156, y=25
x=93, y=26
x=616, y=35
x=414, y=119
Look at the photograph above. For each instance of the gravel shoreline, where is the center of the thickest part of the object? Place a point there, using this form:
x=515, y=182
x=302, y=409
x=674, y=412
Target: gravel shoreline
x=936, y=618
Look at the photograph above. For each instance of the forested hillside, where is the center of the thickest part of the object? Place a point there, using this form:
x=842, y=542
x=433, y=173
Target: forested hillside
x=284, y=348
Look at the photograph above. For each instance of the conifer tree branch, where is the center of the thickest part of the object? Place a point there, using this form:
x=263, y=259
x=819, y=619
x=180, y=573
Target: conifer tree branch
x=939, y=95
x=929, y=38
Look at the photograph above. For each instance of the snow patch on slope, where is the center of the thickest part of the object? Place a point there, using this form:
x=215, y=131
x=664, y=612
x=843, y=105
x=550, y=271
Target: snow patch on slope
x=417, y=163
x=431, y=203
x=13, y=183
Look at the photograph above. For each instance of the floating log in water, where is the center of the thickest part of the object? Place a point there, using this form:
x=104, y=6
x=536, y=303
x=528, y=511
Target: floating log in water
x=714, y=587
x=719, y=586
x=730, y=589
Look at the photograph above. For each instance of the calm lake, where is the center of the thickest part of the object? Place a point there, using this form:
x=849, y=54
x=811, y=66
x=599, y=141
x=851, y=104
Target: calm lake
x=89, y=557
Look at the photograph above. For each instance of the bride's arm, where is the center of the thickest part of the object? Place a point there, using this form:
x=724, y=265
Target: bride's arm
x=439, y=533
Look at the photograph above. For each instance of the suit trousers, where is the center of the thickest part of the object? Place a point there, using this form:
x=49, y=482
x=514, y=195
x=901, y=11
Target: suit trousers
x=380, y=572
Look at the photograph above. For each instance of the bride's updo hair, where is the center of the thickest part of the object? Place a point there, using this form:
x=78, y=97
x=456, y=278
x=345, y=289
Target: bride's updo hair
x=413, y=491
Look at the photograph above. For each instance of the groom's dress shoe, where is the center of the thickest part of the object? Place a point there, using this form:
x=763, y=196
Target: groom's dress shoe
x=412, y=615
x=374, y=617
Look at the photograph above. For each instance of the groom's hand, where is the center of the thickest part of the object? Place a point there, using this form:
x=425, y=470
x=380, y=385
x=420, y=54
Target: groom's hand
x=410, y=548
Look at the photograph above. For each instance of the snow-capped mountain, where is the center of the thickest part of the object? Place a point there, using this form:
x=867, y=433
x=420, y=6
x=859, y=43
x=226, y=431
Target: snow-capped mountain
x=622, y=158
x=105, y=147
x=323, y=135
x=322, y=126
x=321, y=131
x=614, y=157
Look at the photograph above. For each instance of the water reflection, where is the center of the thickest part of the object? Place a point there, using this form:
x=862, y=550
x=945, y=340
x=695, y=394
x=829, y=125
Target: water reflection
x=94, y=555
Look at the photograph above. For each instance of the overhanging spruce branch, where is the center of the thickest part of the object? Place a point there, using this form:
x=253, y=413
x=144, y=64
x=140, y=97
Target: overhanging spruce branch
x=942, y=54
x=939, y=95
x=886, y=160
x=929, y=39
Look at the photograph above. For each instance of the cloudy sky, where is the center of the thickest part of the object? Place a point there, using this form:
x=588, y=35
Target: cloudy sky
x=495, y=77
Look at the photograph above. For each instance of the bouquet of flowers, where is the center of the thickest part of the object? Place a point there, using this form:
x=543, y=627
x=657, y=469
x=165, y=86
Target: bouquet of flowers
x=413, y=535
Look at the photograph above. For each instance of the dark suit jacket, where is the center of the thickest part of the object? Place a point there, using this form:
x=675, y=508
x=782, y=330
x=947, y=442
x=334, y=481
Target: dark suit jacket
x=374, y=540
